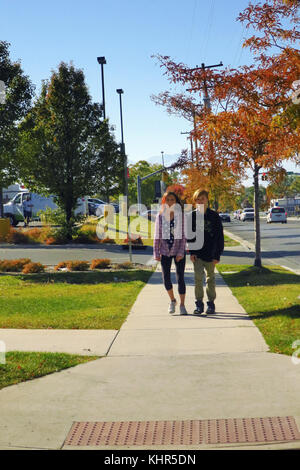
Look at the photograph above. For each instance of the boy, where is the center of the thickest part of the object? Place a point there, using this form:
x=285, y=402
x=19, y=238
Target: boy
x=208, y=256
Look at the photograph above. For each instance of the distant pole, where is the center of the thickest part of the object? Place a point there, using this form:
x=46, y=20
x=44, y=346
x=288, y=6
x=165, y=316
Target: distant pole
x=162, y=157
x=102, y=61
x=120, y=92
x=139, y=195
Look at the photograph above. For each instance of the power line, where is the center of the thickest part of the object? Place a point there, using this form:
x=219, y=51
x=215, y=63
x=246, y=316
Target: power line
x=211, y=15
x=235, y=61
x=192, y=29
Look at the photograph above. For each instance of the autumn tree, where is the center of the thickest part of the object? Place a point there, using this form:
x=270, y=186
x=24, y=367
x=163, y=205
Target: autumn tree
x=242, y=131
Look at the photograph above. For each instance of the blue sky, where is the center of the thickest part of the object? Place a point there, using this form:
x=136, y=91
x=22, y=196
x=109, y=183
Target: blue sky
x=127, y=33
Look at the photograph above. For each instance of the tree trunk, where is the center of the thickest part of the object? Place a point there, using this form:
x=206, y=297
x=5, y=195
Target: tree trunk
x=1, y=202
x=257, y=261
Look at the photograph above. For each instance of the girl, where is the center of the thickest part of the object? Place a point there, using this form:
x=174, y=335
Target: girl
x=169, y=243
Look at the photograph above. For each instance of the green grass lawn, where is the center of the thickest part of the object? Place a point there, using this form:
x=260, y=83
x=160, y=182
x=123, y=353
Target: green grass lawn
x=22, y=366
x=74, y=300
x=271, y=296
x=229, y=242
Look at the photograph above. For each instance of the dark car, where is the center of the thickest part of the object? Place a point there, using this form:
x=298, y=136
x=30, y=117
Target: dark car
x=225, y=217
x=96, y=206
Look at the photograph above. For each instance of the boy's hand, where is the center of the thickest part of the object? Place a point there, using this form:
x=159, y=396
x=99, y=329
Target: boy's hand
x=193, y=258
x=158, y=258
x=178, y=258
x=215, y=261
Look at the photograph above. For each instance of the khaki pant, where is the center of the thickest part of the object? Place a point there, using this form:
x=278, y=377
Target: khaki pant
x=199, y=267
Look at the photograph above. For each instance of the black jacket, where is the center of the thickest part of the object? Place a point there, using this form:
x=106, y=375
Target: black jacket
x=213, y=245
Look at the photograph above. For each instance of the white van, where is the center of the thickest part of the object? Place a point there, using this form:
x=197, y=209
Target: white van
x=277, y=214
x=14, y=208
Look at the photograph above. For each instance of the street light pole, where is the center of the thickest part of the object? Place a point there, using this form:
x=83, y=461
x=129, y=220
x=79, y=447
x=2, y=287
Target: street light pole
x=120, y=92
x=102, y=61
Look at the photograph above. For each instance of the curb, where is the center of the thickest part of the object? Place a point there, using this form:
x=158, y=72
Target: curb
x=251, y=247
x=244, y=243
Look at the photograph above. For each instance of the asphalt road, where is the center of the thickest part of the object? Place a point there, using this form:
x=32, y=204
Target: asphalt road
x=280, y=246
x=52, y=255
x=280, y=243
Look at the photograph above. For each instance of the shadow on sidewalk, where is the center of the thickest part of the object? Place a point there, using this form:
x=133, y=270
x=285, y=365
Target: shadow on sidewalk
x=189, y=279
x=216, y=316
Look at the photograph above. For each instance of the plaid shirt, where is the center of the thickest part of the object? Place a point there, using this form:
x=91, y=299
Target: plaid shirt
x=162, y=234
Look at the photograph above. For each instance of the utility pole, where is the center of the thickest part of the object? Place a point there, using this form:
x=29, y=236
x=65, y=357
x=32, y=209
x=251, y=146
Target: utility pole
x=206, y=98
x=207, y=105
x=191, y=139
x=102, y=61
x=123, y=152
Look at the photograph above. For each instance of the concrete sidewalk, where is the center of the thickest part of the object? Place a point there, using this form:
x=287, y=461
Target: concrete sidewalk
x=159, y=367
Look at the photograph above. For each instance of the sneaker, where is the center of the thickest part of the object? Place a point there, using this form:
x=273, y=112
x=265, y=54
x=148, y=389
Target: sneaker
x=199, y=307
x=172, y=306
x=210, y=308
x=183, y=310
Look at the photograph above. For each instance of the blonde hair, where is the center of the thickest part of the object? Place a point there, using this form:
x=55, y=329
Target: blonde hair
x=198, y=193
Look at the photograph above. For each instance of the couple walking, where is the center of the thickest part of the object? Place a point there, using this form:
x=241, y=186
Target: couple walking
x=176, y=233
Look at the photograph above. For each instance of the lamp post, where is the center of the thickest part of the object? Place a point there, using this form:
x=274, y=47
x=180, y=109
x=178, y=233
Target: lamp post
x=102, y=61
x=120, y=93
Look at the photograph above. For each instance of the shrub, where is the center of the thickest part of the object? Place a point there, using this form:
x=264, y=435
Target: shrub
x=16, y=236
x=134, y=241
x=52, y=216
x=33, y=268
x=62, y=264
x=108, y=240
x=100, y=263
x=50, y=241
x=125, y=265
x=88, y=236
x=78, y=265
x=14, y=265
x=37, y=234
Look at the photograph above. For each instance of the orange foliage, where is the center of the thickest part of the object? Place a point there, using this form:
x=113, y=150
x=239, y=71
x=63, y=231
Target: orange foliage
x=33, y=268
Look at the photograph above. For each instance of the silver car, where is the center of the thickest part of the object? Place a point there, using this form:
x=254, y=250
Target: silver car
x=247, y=214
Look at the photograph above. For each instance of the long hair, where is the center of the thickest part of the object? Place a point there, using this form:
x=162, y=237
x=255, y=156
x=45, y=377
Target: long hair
x=163, y=200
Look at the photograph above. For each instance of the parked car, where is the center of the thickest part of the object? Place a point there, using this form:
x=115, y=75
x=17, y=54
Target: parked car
x=225, y=216
x=277, y=214
x=96, y=206
x=14, y=208
x=247, y=214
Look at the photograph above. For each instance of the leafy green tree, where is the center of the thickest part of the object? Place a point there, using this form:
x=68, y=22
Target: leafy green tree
x=18, y=92
x=109, y=180
x=64, y=145
x=282, y=187
x=144, y=168
x=294, y=188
